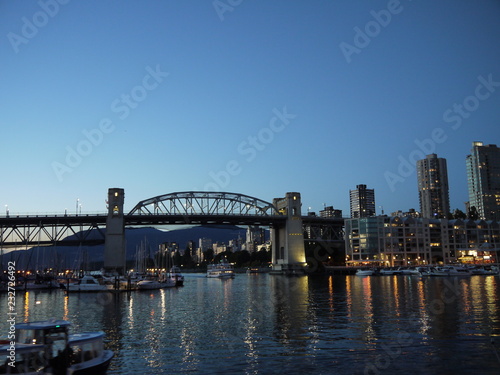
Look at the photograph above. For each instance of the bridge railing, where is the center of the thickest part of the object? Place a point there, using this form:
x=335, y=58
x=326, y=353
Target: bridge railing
x=52, y=214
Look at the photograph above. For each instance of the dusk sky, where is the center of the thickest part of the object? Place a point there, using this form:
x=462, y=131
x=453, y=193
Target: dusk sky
x=253, y=97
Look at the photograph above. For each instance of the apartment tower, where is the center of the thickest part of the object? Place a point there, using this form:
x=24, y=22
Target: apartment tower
x=362, y=202
x=483, y=180
x=433, y=192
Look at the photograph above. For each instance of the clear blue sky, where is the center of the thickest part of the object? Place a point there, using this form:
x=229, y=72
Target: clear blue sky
x=179, y=95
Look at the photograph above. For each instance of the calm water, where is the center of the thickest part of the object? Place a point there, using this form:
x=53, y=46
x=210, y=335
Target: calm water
x=264, y=324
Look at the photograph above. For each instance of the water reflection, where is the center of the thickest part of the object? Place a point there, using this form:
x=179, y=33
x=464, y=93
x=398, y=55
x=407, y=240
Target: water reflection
x=264, y=324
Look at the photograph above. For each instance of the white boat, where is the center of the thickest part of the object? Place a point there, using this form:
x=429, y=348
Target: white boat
x=222, y=270
x=46, y=347
x=482, y=270
x=389, y=271
x=155, y=284
x=425, y=271
x=37, y=285
x=176, y=276
x=412, y=271
x=361, y=272
x=87, y=283
x=450, y=271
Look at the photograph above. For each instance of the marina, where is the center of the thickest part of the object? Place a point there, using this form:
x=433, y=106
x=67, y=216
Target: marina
x=264, y=323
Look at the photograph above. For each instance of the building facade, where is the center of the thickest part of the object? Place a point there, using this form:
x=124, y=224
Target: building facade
x=483, y=180
x=433, y=191
x=362, y=201
x=404, y=241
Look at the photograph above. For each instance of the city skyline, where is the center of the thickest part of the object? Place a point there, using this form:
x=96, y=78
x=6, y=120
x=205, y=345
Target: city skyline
x=255, y=98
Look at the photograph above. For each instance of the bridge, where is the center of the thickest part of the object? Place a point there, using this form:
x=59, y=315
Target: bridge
x=290, y=231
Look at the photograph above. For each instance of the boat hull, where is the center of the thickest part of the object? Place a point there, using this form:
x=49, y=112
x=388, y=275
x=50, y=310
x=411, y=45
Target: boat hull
x=221, y=276
x=100, y=367
x=364, y=272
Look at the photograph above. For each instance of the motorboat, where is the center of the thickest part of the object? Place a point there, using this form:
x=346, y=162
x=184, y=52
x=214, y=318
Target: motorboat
x=425, y=271
x=362, y=272
x=222, y=270
x=87, y=283
x=450, y=271
x=176, y=276
x=37, y=285
x=389, y=271
x=151, y=284
x=484, y=270
x=412, y=271
x=46, y=347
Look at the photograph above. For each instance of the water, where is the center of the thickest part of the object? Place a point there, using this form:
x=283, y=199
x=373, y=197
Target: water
x=265, y=324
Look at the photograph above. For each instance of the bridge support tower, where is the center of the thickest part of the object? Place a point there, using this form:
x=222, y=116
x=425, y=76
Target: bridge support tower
x=114, y=247
x=288, y=252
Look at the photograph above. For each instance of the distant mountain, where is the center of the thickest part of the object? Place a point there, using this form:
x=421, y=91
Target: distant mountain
x=71, y=256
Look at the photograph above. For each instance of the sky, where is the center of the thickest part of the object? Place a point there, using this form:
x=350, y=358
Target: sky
x=253, y=97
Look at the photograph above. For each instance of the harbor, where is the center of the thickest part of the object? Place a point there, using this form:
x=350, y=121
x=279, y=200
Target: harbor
x=255, y=322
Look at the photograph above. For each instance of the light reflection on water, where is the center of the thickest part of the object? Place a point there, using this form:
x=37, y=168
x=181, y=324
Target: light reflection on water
x=264, y=324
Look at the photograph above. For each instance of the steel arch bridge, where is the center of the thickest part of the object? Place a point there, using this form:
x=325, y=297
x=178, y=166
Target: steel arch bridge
x=204, y=203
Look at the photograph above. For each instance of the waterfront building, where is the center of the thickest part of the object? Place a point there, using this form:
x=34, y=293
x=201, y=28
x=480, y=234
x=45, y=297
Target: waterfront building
x=483, y=180
x=404, y=241
x=362, y=201
x=362, y=239
x=433, y=192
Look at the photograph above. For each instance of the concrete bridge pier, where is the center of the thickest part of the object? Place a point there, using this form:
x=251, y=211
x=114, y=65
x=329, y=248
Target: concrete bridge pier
x=114, y=247
x=288, y=251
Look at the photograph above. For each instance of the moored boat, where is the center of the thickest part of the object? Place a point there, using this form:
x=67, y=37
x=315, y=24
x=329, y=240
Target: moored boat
x=37, y=285
x=450, y=271
x=87, y=283
x=46, y=347
x=362, y=272
x=155, y=284
x=176, y=276
x=484, y=270
x=412, y=271
x=425, y=271
x=389, y=271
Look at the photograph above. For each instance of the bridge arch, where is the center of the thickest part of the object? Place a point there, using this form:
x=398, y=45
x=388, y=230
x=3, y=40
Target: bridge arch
x=204, y=203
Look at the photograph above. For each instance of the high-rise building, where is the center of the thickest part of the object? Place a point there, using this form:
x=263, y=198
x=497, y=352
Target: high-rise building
x=362, y=201
x=433, y=192
x=483, y=180
x=329, y=211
